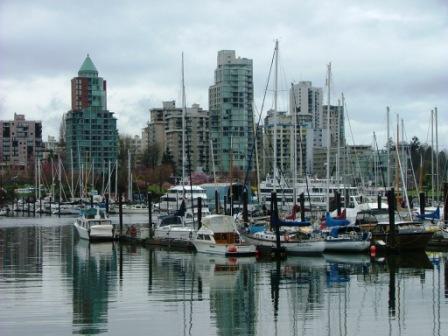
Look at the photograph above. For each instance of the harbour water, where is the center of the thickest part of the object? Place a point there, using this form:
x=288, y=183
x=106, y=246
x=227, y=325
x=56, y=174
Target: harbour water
x=53, y=284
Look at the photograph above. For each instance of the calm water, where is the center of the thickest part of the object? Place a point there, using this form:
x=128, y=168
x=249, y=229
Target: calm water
x=53, y=284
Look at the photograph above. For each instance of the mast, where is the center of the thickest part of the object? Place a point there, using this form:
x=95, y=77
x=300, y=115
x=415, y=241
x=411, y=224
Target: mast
x=81, y=182
x=328, y=136
x=184, y=111
x=129, y=177
x=397, y=168
x=257, y=164
x=275, y=114
x=338, y=132
x=294, y=145
x=109, y=187
x=38, y=176
x=403, y=156
x=213, y=164
x=93, y=176
x=388, y=146
x=432, y=154
x=59, y=178
x=437, y=153
x=116, y=179
x=71, y=174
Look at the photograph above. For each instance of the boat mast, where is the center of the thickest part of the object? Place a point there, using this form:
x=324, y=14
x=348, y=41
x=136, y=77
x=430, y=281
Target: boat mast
x=388, y=146
x=397, y=171
x=129, y=177
x=328, y=136
x=184, y=110
x=257, y=163
x=109, y=187
x=338, y=154
x=116, y=180
x=71, y=174
x=59, y=178
x=275, y=114
x=437, y=153
x=93, y=176
x=38, y=176
x=432, y=154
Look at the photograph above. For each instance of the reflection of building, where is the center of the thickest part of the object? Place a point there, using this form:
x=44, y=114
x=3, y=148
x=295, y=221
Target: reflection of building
x=20, y=143
x=90, y=128
x=94, y=276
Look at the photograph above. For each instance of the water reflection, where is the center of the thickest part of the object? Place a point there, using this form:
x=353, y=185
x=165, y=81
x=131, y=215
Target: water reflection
x=94, y=275
x=47, y=275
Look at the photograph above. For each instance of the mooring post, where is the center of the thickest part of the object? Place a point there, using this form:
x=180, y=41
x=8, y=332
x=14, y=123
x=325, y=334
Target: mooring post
x=12, y=207
x=28, y=206
x=91, y=201
x=225, y=205
x=231, y=205
x=120, y=213
x=422, y=201
x=107, y=203
x=338, y=202
x=40, y=206
x=59, y=206
x=199, y=212
x=50, y=205
x=391, y=202
x=217, y=202
x=275, y=222
x=149, y=197
x=245, y=212
x=34, y=208
x=346, y=198
x=23, y=205
x=302, y=206
x=378, y=200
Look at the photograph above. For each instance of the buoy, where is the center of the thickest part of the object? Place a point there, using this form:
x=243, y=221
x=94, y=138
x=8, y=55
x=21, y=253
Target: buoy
x=373, y=250
x=232, y=249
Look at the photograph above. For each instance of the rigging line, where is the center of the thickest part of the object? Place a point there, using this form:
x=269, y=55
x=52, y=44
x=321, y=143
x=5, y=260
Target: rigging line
x=255, y=137
x=408, y=152
x=301, y=147
x=358, y=166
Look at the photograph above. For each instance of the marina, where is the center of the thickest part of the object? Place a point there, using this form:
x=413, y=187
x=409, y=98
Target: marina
x=53, y=283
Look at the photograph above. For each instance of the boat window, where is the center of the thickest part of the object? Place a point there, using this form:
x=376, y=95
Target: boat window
x=207, y=237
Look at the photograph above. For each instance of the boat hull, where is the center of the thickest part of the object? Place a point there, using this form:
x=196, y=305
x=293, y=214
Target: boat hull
x=183, y=233
x=292, y=247
x=228, y=250
x=404, y=241
x=96, y=233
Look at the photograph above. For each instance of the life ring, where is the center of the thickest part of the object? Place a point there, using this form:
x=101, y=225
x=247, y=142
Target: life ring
x=133, y=231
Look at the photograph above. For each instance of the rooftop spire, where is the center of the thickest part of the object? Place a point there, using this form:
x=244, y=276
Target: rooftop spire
x=88, y=69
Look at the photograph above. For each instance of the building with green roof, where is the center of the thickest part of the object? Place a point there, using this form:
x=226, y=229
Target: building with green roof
x=90, y=128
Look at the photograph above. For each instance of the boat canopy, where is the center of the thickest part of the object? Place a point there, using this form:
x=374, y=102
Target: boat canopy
x=331, y=222
x=219, y=223
x=434, y=215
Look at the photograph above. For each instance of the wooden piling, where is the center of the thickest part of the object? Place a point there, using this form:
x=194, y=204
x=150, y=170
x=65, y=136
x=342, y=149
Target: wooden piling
x=151, y=230
x=50, y=205
x=378, y=200
x=107, y=203
x=302, y=206
x=391, y=202
x=338, y=202
x=120, y=213
x=217, y=202
x=422, y=200
x=199, y=212
x=225, y=205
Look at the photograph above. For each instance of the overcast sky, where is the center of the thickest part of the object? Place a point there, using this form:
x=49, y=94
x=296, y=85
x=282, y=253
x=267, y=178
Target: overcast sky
x=382, y=52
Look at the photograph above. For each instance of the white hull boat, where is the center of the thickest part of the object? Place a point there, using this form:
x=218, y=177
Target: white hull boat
x=267, y=239
x=218, y=235
x=94, y=224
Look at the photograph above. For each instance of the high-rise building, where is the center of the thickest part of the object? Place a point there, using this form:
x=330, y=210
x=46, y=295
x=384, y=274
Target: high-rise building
x=306, y=100
x=20, y=143
x=336, y=124
x=165, y=132
x=231, y=111
x=90, y=128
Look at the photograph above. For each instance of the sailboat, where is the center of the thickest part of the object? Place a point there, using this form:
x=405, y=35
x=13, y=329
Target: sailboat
x=180, y=225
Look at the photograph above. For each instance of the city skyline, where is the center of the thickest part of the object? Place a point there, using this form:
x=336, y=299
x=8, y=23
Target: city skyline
x=383, y=54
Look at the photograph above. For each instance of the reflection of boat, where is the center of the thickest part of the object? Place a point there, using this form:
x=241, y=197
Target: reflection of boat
x=94, y=224
x=351, y=259
x=218, y=235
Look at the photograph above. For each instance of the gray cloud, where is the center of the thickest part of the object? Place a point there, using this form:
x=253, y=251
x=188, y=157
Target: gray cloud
x=389, y=53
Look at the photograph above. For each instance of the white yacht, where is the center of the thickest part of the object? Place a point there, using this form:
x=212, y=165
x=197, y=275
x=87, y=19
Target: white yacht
x=315, y=191
x=173, y=229
x=218, y=235
x=94, y=224
x=172, y=200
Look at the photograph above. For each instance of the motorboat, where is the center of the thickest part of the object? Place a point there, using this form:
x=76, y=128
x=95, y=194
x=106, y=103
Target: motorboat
x=218, y=235
x=95, y=224
x=172, y=229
